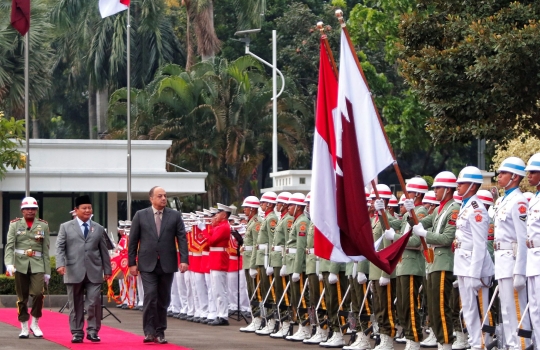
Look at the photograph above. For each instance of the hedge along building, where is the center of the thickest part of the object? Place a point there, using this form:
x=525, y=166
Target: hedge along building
x=61, y=170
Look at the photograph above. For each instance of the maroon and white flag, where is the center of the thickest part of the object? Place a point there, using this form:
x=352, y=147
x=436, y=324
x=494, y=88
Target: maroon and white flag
x=350, y=150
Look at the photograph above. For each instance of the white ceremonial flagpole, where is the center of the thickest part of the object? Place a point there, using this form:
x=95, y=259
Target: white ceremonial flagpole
x=128, y=115
x=26, y=118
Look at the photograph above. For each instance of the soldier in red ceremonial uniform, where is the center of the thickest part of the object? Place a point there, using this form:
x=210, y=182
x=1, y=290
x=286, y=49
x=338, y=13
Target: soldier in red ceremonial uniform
x=218, y=241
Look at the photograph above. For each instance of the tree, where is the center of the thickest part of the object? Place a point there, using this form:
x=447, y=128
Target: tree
x=470, y=63
x=11, y=134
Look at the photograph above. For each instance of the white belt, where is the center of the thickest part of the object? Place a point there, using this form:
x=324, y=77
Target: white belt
x=190, y=253
x=291, y=250
x=28, y=252
x=277, y=248
x=197, y=254
x=310, y=250
x=217, y=249
x=248, y=248
x=533, y=243
x=262, y=246
x=503, y=245
x=233, y=257
x=464, y=246
x=205, y=253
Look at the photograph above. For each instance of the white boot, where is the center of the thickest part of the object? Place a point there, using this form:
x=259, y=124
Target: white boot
x=282, y=330
x=361, y=343
x=461, y=342
x=430, y=341
x=386, y=343
x=253, y=326
x=268, y=329
x=399, y=334
x=35, y=328
x=335, y=342
x=446, y=347
x=319, y=337
x=401, y=340
x=24, y=330
x=414, y=345
x=303, y=332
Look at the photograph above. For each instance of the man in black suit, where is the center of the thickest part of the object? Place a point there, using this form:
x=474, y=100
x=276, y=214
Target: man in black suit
x=155, y=233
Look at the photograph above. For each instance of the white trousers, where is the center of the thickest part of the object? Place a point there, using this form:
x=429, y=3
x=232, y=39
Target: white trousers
x=220, y=292
x=188, y=304
x=200, y=294
x=176, y=304
x=212, y=311
x=140, y=291
x=473, y=317
x=512, y=306
x=533, y=284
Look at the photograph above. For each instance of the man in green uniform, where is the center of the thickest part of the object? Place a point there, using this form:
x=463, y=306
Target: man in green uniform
x=27, y=257
x=384, y=292
x=251, y=206
x=260, y=257
x=439, y=230
x=296, y=261
x=281, y=235
x=411, y=269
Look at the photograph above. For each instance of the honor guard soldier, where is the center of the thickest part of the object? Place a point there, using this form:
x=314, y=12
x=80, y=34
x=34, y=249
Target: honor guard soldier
x=384, y=291
x=411, y=269
x=511, y=249
x=197, y=244
x=393, y=207
x=260, y=257
x=277, y=255
x=439, y=230
x=533, y=245
x=251, y=206
x=295, y=260
x=27, y=258
x=472, y=264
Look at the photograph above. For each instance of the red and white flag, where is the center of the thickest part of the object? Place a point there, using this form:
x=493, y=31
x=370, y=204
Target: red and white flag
x=110, y=7
x=350, y=150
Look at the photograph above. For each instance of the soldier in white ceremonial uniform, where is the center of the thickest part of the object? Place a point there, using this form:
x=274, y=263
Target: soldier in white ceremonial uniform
x=472, y=263
x=533, y=245
x=511, y=250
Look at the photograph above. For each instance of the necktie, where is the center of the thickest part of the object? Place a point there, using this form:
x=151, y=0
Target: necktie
x=85, y=230
x=158, y=222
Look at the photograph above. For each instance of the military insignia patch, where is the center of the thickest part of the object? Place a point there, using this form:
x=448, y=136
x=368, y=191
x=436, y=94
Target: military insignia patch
x=522, y=209
x=478, y=218
x=273, y=223
x=14, y=220
x=474, y=204
x=302, y=227
x=257, y=227
x=289, y=224
x=454, y=214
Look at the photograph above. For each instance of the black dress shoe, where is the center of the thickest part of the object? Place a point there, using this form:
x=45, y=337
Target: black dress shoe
x=77, y=338
x=204, y=320
x=160, y=339
x=93, y=337
x=189, y=318
x=125, y=306
x=219, y=322
x=210, y=320
x=119, y=306
x=176, y=315
x=149, y=338
x=169, y=314
x=197, y=320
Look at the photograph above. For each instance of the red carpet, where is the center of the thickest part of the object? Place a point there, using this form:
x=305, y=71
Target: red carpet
x=55, y=327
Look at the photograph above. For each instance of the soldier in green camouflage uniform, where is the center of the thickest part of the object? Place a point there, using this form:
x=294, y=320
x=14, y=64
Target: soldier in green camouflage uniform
x=27, y=256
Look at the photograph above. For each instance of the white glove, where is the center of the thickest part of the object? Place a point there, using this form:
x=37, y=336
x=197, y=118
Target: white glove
x=269, y=271
x=283, y=271
x=253, y=273
x=389, y=234
x=201, y=225
x=10, y=269
x=361, y=278
x=476, y=283
x=332, y=278
x=419, y=230
x=519, y=282
x=383, y=281
x=320, y=277
x=408, y=204
x=242, y=229
x=295, y=277
x=455, y=284
x=378, y=204
x=46, y=279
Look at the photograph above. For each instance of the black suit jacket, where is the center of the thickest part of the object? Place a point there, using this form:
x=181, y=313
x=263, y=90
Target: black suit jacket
x=145, y=243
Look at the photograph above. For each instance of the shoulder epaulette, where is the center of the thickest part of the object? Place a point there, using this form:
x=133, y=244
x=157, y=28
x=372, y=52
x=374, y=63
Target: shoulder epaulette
x=14, y=220
x=43, y=221
x=474, y=204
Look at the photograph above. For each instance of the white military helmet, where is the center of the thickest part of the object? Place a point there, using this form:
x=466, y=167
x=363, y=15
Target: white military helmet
x=283, y=197
x=298, y=198
x=457, y=197
x=29, y=202
x=445, y=179
x=430, y=198
x=485, y=197
x=368, y=193
x=393, y=202
x=402, y=199
x=470, y=174
x=308, y=197
x=251, y=202
x=269, y=197
x=534, y=163
x=513, y=165
x=417, y=184
x=528, y=195
x=384, y=192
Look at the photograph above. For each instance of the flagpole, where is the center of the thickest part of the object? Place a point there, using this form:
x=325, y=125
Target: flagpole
x=128, y=195
x=320, y=26
x=26, y=116
x=339, y=15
